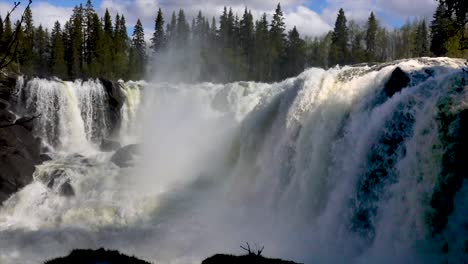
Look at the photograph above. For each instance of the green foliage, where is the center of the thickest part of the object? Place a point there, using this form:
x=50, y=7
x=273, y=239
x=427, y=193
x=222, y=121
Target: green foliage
x=57, y=63
x=339, y=43
x=159, y=38
x=138, y=52
x=371, y=37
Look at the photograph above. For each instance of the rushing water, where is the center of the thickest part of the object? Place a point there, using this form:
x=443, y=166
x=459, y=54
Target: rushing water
x=321, y=168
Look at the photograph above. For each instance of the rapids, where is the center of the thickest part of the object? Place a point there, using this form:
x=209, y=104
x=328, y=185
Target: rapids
x=321, y=168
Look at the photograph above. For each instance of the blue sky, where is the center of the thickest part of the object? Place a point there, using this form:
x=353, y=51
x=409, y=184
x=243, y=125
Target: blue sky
x=312, y=17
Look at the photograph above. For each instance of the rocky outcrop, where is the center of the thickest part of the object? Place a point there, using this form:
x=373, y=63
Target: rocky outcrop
x=109, y=145
x=19, y=149
x=398, y=80
x=116, y=97
x=124, y=157
x=19, y=154
x=246, y=259
x=81, y=256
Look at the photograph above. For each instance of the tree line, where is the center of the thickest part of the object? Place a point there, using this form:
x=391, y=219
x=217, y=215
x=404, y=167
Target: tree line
x=229, y=48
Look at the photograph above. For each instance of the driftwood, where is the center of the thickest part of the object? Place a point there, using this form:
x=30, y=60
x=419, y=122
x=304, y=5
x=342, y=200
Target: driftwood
x=21, y=122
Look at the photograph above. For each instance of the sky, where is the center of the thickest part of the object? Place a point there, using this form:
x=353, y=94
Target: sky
x=311, y=17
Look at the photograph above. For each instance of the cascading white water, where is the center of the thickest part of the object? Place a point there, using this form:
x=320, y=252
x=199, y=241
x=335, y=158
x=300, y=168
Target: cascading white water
x=74, y=116
x=323, y=168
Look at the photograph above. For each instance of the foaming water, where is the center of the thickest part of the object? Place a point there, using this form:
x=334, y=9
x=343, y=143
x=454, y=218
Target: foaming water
x=321, y=168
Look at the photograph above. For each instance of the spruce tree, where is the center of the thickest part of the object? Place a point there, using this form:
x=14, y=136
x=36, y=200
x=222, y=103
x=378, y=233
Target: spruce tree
x=371, y=37
x=182, y=30
x=277, y=43
x=120, y=47
x=88, y=29
x=421, y=40
x=41, y=40
x=439, y=31
x=28, y=53
x=137, y=54
x=77, y=41
x=262, y=59
x=295, y=52
x=247, y=41
x=339, y=45
x=158, y=39
x=57, y=57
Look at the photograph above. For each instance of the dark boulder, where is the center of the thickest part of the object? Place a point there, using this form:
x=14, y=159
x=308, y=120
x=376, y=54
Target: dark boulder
x=65, y=189
x=19, y=154
x=116, y=99
x=88, y=256
x=4, y=105
x=7, y=85
x=123, y=157
x=6, y=118
x=110, y=145
x=26, y=122
x=45, y=157
x=246, y=259
x=398, y=80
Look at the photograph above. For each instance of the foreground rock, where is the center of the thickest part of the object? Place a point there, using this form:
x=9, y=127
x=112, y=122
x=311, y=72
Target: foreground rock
x=19, y=149
x=79, y=256
x=124, y=156
x=109, y=145
x=19, y=154
x=116, y=97
x=398, y=80
x=246, y=259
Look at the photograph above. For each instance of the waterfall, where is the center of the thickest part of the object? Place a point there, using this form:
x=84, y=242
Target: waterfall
x=332, y=166
x=74, y=116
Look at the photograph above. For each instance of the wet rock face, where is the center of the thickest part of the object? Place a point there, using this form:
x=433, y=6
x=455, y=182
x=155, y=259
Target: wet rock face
x=19, y=154
x=116, y=99
x=109, y=145
x=398, y=80
x=19, y=149
x=124, y=156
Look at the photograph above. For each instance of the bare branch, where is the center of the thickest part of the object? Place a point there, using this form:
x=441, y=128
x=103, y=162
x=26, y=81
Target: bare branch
x=12, y=45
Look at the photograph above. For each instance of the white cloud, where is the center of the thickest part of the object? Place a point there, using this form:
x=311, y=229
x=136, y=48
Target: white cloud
x=307, y=22
x=44, y=13
x=296, y=12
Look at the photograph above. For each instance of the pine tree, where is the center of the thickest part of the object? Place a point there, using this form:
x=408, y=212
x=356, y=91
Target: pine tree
x=77, y=41
x=98, y=52
x=439, y=31
x=357, y=38
x=137, y=55
x=27, y=51
x=120, y=54
x=88, y=29
x=277, y=43
x=295, y=52
x=262, y=60
x=158, y=40
x=182, y=30
x=371, y=37
x=421, y=40
x=247, y=41
x=41, y=40
x=339, y=45
x=57, y=63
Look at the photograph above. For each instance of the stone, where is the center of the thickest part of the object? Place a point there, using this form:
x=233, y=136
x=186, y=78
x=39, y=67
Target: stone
x=124, y=156
x=398, y=80
x=110, y=145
